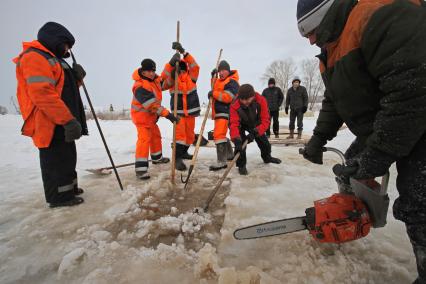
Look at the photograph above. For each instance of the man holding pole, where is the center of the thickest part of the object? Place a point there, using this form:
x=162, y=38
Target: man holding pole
x=146, y=108
x=51, y=106
x=188, y=103
x=224, y=91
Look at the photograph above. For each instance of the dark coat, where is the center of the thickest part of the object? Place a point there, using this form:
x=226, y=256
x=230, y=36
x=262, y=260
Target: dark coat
x=375, y=81
x=297, y=99
x=274, y=96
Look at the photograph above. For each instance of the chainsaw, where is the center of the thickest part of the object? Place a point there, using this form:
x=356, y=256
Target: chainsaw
x=345, y=216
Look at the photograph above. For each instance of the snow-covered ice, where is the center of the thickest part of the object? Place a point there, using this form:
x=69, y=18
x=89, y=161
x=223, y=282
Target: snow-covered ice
x=149, y=234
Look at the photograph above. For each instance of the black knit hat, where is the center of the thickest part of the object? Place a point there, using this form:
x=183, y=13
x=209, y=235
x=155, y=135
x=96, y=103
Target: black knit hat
x=271, y=81
x=54, y=36
x=148, y=65
x=310, y=14
x=223, y=65
x=246, y=91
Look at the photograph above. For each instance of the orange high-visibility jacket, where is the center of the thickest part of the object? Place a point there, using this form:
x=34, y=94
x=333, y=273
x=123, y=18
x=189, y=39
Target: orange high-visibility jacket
x=147, y=97
x=40, y=82
x=188, y=102
x=224, y=92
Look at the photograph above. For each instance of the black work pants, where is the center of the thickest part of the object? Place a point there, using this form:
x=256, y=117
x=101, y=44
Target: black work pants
x=57, y=163
x=263, y=144
x=275, y=123
x=296, y=113
x=410, y=206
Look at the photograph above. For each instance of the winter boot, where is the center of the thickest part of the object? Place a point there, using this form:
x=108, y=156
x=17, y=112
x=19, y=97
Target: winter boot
x=162, y=160
x=299, y=134
x=185, y=154
x=142, y=175
x=78, y=190
x=291, y=136
x=276, y=135
x=221, y=151
x=273, y=160
x=180, y=165
x=229, y=151
x=73, y=202
x=243, y=171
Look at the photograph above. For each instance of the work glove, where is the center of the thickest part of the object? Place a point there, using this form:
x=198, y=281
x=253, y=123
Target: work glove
x=79, y=71
x=356, y=147
x=252, y=135
x=214, y=72
x=313, y=151
x=72, y=130
x=304, y=109
x=175, y=58
x=369, y=164
x=172, y=118
x=286, y=110
x=238, y=143
x=177, y=46
x=210, y=94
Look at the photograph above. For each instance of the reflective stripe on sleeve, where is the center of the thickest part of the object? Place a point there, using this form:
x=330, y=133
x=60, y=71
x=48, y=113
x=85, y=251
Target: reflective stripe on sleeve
x=40, y=79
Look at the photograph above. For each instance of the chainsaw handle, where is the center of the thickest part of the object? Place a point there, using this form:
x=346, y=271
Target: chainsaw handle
x=329, y=149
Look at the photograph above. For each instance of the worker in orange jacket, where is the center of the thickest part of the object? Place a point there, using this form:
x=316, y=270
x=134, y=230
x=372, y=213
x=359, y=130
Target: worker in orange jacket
x=51, y=106
x=224, y=91
x=145, y=110
x=188, y=103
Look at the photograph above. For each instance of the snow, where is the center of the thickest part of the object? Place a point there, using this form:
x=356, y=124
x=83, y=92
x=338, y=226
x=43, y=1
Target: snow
x=149, y=233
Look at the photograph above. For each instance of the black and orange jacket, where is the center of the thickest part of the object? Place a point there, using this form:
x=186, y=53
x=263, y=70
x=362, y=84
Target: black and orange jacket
x=188, y=103
x=224, y=92
x=40, y=83
x=374, y=69
x=256, y=115
x=147, y=96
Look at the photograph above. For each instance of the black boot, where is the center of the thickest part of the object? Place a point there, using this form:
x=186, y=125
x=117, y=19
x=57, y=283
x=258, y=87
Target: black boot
x=180, y=165
x=73, y=202
x=221, y=151
x=229, y=151
x=142, y=175
x=272, y=160
x=162, y=160
x=185, y=154
x=243, y=171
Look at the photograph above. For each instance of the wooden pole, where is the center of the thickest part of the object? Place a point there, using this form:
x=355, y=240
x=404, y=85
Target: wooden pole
x=175, y=101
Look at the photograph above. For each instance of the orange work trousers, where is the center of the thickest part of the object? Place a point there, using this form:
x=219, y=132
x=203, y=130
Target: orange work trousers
x=220, y=130
x=149, y=140
x=185, y=131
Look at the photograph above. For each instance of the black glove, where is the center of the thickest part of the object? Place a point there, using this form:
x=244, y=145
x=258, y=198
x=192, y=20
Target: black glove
x=210, y=94
x=304, y=109
x=252, y=135
x=370, y=163
x=355, y=149
x=172, y=118
x=286, y=110
x=79, y=71
x=214, y=72
x=175, y=58
x=177, y=46
x=72, y=130
x=238, y=143
x=314, y=149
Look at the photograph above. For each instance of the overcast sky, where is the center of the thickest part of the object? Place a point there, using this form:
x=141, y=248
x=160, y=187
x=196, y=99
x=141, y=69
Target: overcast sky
x=112, y=37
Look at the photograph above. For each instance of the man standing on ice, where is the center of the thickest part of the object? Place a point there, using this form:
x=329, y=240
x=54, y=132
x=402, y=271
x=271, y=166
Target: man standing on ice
x=50, y=103
x=297, y=101
x=373, y=63
x=188, y=103
x=249, y=113
x=145, y=111
x=275, y=97
x=224, y=91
